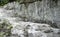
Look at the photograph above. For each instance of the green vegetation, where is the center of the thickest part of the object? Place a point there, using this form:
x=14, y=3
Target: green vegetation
x=5, y=29
x=3, y=2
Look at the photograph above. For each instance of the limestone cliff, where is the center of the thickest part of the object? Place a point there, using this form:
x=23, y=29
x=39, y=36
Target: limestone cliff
x=33, y=18
x=35, y=10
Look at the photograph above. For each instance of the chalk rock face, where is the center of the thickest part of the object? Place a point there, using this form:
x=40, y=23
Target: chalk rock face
x=32, y=11
x=35, y=10
x=33, y=18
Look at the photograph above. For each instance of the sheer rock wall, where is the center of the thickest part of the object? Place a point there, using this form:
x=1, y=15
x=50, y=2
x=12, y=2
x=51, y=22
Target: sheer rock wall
x=22, y=14
x=35, y=10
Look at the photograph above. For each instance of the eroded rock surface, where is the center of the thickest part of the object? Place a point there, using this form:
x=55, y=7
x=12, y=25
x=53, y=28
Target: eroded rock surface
x=45, y=10
x=35, y=18
x=28, y=29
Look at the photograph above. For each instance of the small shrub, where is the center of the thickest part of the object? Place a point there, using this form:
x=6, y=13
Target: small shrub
x=5, y=29
x=3, y=2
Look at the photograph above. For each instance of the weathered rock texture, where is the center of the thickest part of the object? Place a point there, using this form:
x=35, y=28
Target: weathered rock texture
x=37, y=11
x=28, y=29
